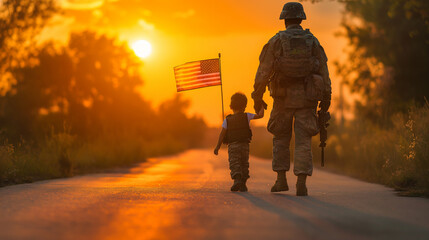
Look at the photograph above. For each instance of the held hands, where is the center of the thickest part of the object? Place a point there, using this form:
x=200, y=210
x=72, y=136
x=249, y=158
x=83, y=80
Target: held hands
x=259, y=114
x=258, y=104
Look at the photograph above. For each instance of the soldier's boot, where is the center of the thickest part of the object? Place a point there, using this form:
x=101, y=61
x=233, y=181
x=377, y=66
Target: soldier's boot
x=301, y=188
x=281, y=182
x=238, y=182
x=243, y=187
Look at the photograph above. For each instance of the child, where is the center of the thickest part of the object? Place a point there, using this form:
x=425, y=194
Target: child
x=237, y=134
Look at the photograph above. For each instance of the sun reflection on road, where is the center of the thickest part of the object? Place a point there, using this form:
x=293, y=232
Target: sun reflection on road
x=153, y=188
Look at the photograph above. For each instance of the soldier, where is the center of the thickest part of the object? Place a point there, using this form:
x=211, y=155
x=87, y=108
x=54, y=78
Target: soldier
x=293, y=65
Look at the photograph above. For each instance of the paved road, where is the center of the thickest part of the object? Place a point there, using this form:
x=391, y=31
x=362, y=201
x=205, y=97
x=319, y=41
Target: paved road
x=187, y=196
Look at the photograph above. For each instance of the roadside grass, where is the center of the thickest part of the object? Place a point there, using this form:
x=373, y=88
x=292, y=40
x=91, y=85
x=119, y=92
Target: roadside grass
x=64, y=155
x=397, y=157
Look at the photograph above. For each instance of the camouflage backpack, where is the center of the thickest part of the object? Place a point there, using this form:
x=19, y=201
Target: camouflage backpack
x=297, y=60
x=296, y=64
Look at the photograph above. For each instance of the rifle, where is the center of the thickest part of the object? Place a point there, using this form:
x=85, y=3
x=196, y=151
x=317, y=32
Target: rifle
x=323, y=118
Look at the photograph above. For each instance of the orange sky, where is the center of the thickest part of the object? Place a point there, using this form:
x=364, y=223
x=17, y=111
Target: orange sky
x=182, y=31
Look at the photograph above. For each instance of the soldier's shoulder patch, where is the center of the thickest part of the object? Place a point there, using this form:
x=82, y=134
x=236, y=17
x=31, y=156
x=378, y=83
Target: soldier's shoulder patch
x=278, y=35
x=275, y=40
x=285, y=34
x=263, y=52
x=275, y=36
x=322, y=50
x=316, y=41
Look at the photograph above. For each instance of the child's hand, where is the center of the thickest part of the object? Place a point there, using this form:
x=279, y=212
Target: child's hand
x=261, y=112
x=216, y=151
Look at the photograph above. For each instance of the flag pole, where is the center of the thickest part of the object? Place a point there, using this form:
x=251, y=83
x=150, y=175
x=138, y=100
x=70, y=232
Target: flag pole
x=221, y=89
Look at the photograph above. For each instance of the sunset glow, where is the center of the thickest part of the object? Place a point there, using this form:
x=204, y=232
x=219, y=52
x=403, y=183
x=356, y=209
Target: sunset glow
x=185, y=31
x=142, y=48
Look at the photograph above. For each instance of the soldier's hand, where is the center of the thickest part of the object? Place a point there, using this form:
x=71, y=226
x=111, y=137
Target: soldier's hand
x=324, y=105
x=216, y=151
x=258, y=104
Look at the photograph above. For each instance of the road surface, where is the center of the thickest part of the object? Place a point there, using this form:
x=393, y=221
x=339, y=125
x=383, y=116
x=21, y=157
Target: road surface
x=187, y=196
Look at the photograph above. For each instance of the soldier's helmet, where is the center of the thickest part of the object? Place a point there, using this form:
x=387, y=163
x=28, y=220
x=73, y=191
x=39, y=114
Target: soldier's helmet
x=293, y=10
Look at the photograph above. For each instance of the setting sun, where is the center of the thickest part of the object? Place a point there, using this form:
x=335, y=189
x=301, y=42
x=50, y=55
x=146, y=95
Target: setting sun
x=142, y=48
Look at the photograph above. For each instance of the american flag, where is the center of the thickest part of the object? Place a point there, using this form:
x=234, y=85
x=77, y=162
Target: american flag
x=198, y=74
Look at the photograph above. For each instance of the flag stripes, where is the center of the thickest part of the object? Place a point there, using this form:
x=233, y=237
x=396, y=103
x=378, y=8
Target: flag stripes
x=198, y=74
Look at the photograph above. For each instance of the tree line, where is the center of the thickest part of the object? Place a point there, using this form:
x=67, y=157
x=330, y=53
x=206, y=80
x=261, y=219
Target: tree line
x=62, y=103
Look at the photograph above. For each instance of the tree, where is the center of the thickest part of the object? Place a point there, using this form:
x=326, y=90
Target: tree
x=388, y=55
x=174, y=122
x=89, y=84
x=20, y=22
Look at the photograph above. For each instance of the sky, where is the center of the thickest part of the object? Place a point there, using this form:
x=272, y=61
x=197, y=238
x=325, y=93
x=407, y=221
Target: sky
x=188, y=30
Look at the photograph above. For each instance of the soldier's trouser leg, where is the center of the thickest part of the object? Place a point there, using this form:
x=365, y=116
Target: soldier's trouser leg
x=281, y=127
x=238, y=157
x=305, y=127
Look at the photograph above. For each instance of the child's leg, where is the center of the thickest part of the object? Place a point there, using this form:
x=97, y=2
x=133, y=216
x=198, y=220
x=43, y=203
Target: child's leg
x=234, y=156
x=244, y=161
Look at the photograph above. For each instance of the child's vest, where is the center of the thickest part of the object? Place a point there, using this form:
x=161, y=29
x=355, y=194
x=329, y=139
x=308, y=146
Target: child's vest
x=238, y=129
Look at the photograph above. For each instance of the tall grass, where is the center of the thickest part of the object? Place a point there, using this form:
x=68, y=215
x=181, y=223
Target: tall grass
x=63, y=154
x=397, y=156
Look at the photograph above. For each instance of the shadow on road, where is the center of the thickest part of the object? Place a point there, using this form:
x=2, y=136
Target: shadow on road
x=325, y=218
x=284, y=213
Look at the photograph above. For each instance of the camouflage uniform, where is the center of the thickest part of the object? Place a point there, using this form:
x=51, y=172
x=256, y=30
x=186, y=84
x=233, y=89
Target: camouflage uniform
x=238, y=157
x=290, y=103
